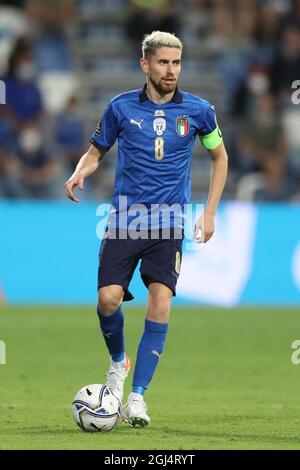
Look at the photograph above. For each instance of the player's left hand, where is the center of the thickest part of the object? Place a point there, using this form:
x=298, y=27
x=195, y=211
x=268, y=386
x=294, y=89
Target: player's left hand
x=206, y=225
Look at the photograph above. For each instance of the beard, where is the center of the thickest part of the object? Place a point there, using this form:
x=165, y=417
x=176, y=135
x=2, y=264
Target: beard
x=162, y=87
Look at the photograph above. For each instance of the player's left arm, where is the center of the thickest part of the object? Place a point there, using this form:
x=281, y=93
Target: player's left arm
x=218, y=175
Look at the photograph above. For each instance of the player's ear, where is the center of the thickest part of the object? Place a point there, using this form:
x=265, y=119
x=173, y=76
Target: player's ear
x=144, y=65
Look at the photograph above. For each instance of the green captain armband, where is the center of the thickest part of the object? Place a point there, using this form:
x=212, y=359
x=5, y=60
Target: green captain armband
x=212, y=140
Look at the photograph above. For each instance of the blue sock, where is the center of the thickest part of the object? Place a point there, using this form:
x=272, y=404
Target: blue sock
x=112, y=327
x=139, y=390
x=150, y=348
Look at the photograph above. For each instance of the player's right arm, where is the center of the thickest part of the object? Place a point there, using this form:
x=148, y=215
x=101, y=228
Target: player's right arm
x=102, y=140
x=87, y=165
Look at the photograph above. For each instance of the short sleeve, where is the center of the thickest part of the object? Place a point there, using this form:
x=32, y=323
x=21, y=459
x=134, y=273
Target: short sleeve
x=209, y=131
x=208, y=120
x=106, y=132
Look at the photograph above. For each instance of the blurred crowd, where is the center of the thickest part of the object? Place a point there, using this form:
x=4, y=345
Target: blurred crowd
x=256, y=44
x=41, y=125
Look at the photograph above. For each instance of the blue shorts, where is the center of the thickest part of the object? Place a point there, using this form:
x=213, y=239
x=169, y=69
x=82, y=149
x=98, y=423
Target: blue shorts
x=160, y=262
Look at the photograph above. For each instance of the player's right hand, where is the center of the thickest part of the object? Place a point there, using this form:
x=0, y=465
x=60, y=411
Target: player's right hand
x=75, y=180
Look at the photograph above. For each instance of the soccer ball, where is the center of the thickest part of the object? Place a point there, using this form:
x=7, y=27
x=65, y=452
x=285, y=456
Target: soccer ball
x=96, y=408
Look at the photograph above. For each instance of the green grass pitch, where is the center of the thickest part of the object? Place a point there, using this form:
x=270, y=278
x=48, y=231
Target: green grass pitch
x=225, y=381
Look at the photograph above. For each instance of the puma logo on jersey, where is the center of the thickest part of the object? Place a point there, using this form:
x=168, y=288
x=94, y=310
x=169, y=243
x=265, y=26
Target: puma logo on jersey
x=139, y=124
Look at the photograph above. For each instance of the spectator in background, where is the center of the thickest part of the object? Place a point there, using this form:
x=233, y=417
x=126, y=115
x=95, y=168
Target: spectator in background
x=286, y=65
x=70, y=133
x=262, y=133
x=293, y=16
x=291, y=123
x=267, y=32
x=52, y=14
x=233, y=36
x=50, y=21
x=280, y=183
x=145, y=16
x=30, y=170
x=13, y=24
x=263, y=148
x=23, y=98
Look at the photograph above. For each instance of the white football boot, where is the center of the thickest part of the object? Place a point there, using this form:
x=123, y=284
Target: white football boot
x=135, y=411
x=117, y=375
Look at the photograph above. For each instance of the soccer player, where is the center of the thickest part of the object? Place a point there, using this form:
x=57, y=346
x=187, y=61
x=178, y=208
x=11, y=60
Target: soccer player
x=156, y=128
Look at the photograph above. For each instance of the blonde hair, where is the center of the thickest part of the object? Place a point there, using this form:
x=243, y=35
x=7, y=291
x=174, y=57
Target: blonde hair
x=158, y=39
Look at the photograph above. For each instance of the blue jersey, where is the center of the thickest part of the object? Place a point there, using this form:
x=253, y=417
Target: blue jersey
x=155, y=143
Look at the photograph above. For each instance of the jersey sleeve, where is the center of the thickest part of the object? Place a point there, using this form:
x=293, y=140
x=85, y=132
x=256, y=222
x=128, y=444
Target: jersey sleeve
x=209, y=131
x=106, y=132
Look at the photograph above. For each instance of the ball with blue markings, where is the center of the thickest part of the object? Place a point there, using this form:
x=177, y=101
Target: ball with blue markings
x=95, y=408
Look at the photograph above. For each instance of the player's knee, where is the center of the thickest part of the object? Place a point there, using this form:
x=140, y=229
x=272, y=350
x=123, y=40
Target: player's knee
x=108, y=300
x=159, y=309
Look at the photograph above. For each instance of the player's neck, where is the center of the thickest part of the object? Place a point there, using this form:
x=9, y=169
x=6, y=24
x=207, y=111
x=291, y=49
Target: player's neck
x=156, y=97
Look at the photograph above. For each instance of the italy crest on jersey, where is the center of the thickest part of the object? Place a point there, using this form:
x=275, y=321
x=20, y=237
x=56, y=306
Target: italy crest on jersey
x=182, y=126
